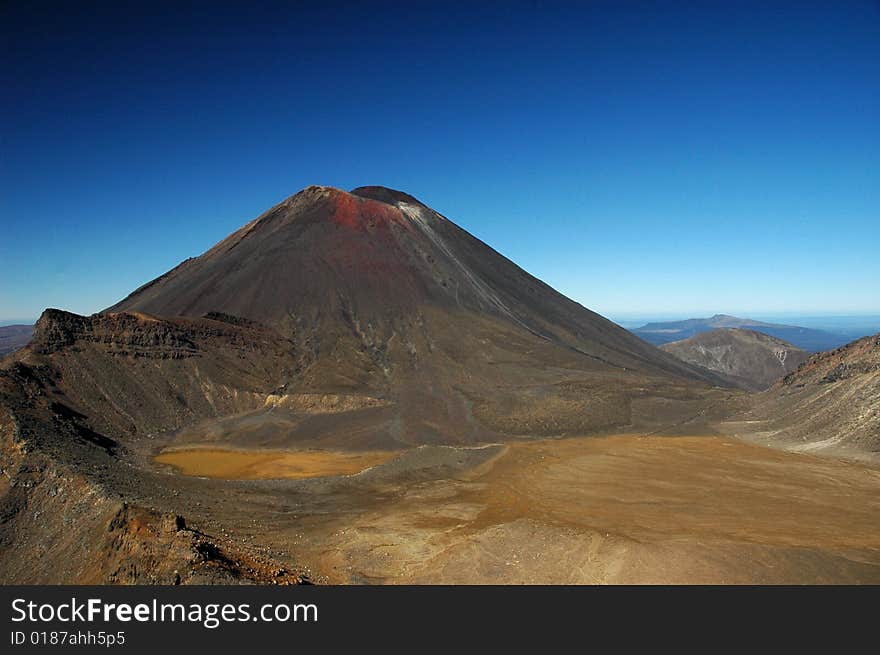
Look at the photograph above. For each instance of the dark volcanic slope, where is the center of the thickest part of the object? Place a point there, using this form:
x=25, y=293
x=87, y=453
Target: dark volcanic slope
x=381, y=295
x=831, y=403
x=13, y=337
x=801, y=337
x=369, y=264
x=753, y=359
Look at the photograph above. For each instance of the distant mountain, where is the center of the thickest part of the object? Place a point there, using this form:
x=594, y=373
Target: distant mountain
x=829, y=404
x=801, y=337
x=753, y=359
x=13, y=337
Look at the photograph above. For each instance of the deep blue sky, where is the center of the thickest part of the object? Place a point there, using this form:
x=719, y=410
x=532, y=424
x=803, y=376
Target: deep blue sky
x=643, y=158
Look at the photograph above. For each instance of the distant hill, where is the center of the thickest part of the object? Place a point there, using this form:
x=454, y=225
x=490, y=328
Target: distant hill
x=13, y=337
x=753, y=359
x=804, y=338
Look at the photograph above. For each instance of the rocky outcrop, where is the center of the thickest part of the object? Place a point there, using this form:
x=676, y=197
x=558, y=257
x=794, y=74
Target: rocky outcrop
x=123, y=334
x=127, y=373
x=67, y=530
x=64, y=521
x=140, y=335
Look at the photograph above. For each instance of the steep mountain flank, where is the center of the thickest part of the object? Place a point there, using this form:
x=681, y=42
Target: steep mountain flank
x=369, y=265
x=830, y=404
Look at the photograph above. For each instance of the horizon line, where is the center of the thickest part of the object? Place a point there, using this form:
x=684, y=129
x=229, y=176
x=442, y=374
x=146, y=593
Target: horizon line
x=623, y=315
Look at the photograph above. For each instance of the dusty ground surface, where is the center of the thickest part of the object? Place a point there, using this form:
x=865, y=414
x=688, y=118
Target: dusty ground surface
x=615, y=509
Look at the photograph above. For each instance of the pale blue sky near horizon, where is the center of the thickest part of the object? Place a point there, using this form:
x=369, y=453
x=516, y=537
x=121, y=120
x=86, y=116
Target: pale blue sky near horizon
x=647, y=160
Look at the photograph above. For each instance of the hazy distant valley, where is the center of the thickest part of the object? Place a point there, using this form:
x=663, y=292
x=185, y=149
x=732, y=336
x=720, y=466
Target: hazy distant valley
x=14, y=337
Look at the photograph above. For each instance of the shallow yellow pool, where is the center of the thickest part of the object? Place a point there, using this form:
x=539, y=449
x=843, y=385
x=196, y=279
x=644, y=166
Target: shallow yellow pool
x=227, y=464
